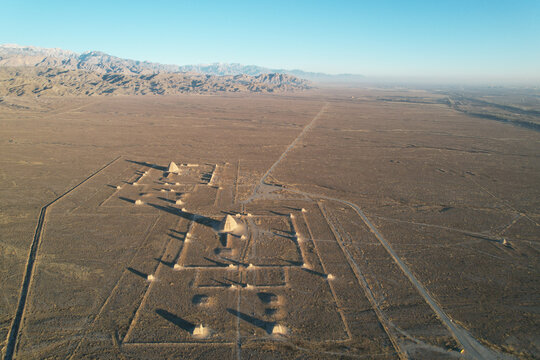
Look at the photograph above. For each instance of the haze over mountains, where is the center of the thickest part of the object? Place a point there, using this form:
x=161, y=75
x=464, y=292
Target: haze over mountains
x=237, y=69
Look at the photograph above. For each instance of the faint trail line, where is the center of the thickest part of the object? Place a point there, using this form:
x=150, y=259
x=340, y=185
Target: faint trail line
x=65, y=111
x=494, y=238
x=113, y=291
x=176, y=344
x=237, y=179
x=144, y=299
x=27, y=278
x=472, y=347
x=238, y=340
x=502, y=201
x=386, y=324
x=512, y=223
x=289, y=148
x=497, y=238
x=339, y=307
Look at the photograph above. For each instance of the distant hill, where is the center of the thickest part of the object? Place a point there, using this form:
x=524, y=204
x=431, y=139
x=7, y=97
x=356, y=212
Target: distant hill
x=96, y=61
x=12, y=55
x=236, y=69
x=27, y=70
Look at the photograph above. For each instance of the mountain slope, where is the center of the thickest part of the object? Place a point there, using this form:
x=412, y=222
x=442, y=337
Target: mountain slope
x=15, y=55
x=40, y=81
x=237, y=69
x=27, y=70
x=96, y=61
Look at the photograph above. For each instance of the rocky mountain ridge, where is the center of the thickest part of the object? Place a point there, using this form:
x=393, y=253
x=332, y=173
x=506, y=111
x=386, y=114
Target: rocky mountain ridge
x=237, y=69
x=39, y=71
x=38, y=81
x=16, y=55
x=96, y=61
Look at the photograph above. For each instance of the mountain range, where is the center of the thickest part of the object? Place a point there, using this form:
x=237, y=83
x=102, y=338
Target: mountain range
x=15, y=55
x=27, y=70
x=237, y=69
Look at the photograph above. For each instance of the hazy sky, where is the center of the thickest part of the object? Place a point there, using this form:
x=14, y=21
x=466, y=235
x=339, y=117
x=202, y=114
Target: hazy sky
x=431, y=38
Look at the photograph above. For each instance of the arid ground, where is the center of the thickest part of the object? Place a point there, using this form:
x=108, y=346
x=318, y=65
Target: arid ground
x=372, y=223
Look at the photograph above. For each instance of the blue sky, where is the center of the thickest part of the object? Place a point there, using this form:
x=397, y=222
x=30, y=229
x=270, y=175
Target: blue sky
x=400, y=38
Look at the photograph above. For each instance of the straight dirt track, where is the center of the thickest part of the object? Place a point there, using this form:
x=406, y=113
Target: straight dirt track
x=15, y=325
x=473, y=349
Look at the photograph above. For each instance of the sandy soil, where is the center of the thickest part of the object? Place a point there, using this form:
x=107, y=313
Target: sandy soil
x=370, y=228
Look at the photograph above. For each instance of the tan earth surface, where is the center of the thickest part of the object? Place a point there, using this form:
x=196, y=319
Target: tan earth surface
x=360, y=228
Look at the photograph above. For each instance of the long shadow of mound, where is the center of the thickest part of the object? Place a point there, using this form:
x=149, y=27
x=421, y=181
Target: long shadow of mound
x=484, y=238
x=235, y=262
x=215, y=262
x=137, y=272
x=265, y=325
x=178, y=321
x=293, y=262
x=199, y=219
x=155, y=166
x=165, y=263
x=310, y=271
x=126, y=199
x=167, y=200
x=313, y=272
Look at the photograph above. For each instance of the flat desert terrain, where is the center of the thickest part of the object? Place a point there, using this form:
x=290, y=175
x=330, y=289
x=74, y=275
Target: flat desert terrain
x=329, y=223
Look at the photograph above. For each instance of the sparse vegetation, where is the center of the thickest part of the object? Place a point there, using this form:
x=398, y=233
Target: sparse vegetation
x=453, y=196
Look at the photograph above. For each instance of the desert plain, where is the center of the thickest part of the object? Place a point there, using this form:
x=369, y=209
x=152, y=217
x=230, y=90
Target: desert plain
x=383, y=223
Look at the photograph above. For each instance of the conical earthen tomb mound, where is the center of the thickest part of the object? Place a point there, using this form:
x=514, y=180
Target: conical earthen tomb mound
x=229, y=224
x=173, y=168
